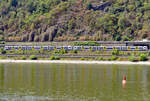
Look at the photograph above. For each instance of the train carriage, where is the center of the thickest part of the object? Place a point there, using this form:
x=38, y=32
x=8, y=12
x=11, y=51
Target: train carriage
x=59, y=47
x=100, y=48
x=8, y=47
x=16, y=47
x=77, y=48
x=109, y=48
x=23, y=47
x=118, y=48
x=124, y=48
x=29, y=47
x=94, y=48
x=45, y=48
x=70, y=47
x=65, y=47
x=51, y=48
x=37, y=47
x=86, y=48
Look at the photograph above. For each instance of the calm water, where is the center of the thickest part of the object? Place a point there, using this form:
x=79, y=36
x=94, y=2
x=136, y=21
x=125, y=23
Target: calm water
x=72, y=82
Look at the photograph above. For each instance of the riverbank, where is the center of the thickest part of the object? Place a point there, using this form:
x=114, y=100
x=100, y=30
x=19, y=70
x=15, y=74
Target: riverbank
x=75, y=62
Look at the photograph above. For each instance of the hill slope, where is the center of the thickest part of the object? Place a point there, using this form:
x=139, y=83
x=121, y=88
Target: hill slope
x=60, y=20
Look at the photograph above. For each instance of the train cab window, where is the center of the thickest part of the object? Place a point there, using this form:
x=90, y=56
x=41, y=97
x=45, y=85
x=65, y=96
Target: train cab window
x=145, y=48
x=69, y=47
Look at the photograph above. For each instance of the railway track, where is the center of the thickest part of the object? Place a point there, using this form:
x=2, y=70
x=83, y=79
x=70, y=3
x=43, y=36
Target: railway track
x=62, y=56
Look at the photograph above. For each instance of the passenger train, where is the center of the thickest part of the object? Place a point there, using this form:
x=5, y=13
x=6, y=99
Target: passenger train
x=85, y=48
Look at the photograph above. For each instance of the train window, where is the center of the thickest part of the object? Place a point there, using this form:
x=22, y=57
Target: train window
x=118, y=47
x=94, y=48
x=29, y=47
x=59, y=47
x=100, y=48
x=109, y=48
x=69, y=47
x=65, y=47
x=37, y=47
x=145, y=48
x=77, y=47
x=124, y=48
x=23, y=47
x=16, y=47
x=86, y=47
x=132, y=48
x=51, y=47
x=45, y=47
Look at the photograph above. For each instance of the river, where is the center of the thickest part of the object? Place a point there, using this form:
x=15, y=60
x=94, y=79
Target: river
x=73, y=82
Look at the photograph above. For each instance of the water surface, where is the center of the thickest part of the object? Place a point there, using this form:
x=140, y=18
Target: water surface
x=73, y=82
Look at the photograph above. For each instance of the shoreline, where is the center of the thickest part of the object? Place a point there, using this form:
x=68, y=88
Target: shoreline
x=76, y=62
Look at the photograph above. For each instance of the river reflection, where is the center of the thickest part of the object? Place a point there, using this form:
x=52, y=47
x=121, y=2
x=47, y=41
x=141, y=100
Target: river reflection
x=72, y=82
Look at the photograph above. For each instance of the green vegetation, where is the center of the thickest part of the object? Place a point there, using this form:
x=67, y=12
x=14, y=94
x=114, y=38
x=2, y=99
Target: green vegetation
x=2, y=51
x=87, y=43
x=69, y=20
x=143, y=57
x=82, y=58
x=132, y=58
x=54, y=58
x=23, y=58
x=114, y=58
x=33, y=57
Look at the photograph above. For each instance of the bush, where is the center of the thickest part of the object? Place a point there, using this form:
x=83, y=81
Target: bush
x=132, y=58
x=143, y=57
x=33, y=57
x=114, y=58
x=75, y=51
x=23, y=58
x=82, y=58
x=54, y=58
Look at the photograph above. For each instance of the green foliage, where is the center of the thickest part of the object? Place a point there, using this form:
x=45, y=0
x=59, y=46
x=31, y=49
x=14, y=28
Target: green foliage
x=54, y=58
x=82, y=58
x=23, y=58
x=132, y=58
x=115, y=52
x=33, y=57
x=143, y=57
x=114, y=58
x=87, y=43
x=2, y=51
x=124, y=20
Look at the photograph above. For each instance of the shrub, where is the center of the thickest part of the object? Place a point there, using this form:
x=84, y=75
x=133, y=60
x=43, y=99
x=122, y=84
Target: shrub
x=114, y=58
x=57, y=58
x=82, y=58
x=23, y=58
x=132, y=58
x=75, y=51
x=143, y=57
x=54, y=58
x=33, y=57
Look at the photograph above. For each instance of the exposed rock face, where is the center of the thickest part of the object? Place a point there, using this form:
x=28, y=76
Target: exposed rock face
x=31, y=36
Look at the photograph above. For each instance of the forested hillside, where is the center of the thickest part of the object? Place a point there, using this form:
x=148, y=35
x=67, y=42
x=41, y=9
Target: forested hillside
x=61, y=20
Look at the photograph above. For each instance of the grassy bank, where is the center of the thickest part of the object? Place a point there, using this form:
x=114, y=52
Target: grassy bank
x=142, y=57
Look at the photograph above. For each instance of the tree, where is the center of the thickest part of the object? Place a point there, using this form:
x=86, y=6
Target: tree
x=14, y=3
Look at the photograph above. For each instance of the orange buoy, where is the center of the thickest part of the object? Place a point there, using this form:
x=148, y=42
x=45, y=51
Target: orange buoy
x=124, y=81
